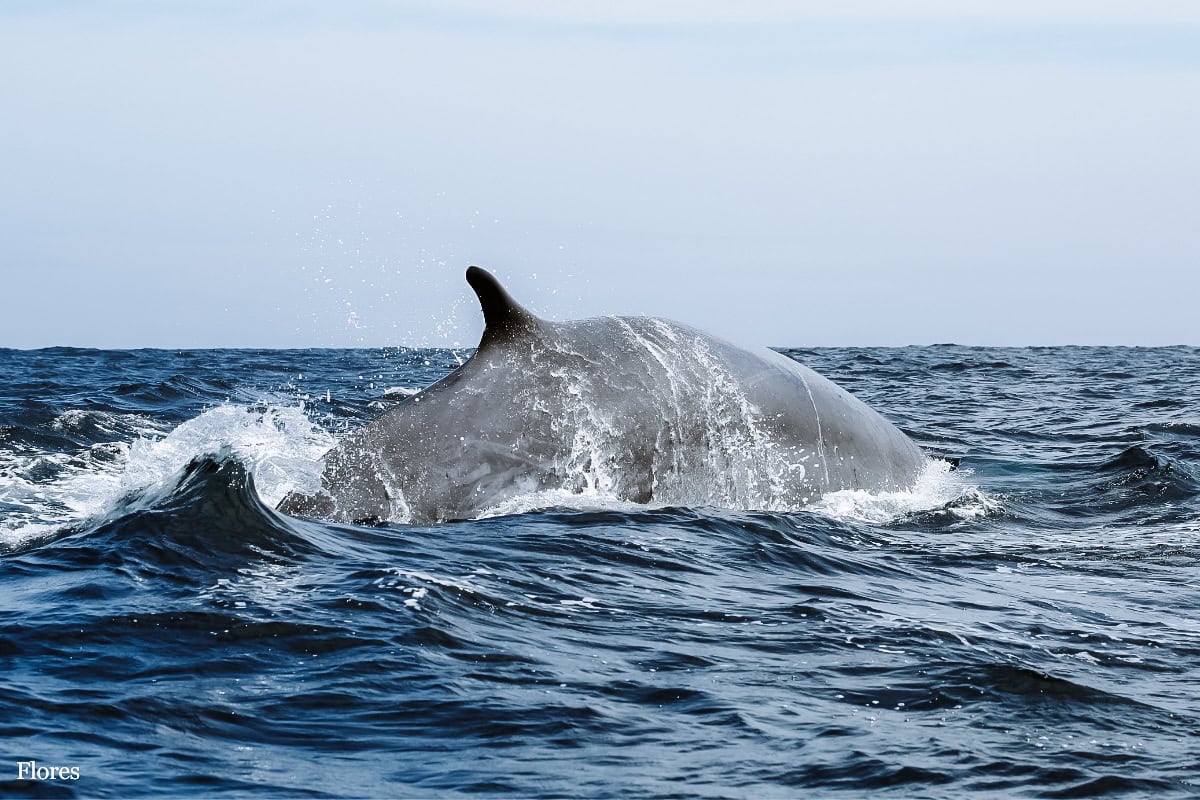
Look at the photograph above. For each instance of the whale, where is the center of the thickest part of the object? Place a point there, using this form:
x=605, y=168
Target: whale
x=631, y=408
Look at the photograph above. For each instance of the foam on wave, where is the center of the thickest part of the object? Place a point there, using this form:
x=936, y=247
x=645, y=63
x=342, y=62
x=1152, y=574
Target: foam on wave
x=279, y=445
x=938, y=487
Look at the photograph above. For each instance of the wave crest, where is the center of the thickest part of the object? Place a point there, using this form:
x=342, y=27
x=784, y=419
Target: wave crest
x=279, y=446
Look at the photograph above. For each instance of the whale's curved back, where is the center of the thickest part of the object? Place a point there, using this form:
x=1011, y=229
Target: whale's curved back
x=639, y=409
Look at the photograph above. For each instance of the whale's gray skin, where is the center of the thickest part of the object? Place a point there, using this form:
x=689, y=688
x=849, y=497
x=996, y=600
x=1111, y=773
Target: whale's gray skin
x=636, y=408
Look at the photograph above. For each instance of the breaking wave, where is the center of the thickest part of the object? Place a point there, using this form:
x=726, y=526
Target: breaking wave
x=42, y=493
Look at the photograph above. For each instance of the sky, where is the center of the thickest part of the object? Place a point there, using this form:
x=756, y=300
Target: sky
x=306, y=174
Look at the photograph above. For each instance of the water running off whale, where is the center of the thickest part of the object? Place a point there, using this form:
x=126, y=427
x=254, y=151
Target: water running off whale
x=637, y=408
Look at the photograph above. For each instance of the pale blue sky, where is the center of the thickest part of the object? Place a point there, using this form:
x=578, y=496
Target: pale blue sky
x=195, y=174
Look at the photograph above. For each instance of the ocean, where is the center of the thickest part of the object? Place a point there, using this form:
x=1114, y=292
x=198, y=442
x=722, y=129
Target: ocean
x=1026, y=625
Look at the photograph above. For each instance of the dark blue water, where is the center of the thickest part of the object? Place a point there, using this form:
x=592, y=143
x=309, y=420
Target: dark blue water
x=1028, y=626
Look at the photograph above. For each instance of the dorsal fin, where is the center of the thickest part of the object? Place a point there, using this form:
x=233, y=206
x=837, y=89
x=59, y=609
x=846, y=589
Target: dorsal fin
x=503, y=317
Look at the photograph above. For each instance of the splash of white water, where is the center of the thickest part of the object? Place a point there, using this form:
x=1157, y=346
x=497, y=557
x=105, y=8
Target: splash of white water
x=279, y=445
x=937, y=487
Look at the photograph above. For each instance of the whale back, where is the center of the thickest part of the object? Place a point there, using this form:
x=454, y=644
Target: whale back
x=633, y=408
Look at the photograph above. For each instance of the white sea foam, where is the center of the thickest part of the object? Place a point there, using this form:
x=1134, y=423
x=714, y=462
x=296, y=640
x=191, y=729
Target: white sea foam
x=402, y=581
x=280, y=446
x=937, y=487
x=589, y=499
x=85, y=420
x=400, y=391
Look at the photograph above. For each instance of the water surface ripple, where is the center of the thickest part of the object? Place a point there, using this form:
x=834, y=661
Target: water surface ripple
x=1031, y=631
